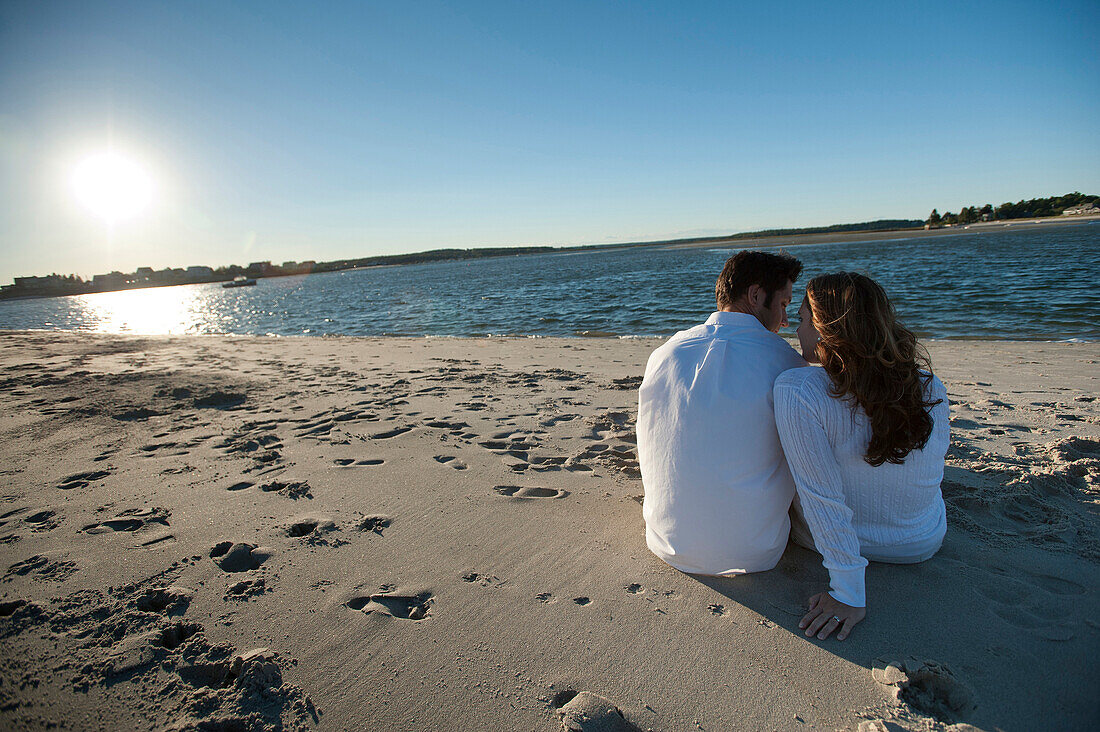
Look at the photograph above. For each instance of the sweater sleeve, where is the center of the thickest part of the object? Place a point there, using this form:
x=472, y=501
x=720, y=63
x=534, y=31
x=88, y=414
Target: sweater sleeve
x=820, y=488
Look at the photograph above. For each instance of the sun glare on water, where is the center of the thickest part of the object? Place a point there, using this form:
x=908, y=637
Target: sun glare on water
x=112, y=186
x=152, y=311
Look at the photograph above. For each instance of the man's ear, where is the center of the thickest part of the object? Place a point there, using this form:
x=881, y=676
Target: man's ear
x=756, y=295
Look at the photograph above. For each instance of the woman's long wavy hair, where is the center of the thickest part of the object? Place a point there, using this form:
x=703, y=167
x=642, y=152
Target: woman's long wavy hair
x=873, y=361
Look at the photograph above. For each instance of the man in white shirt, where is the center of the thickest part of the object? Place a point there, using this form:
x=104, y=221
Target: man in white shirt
x=717, y=486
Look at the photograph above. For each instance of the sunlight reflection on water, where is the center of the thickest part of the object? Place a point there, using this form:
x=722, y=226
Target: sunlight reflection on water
x=155, y=311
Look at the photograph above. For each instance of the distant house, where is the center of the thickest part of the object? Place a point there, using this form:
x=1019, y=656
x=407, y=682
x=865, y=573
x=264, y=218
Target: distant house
x=199, y=272
x=298, y=267
x=1083, y=209
x=170, y=276
x=49, y=283
x=259, y=267
x=144, y=272
x=112, y=281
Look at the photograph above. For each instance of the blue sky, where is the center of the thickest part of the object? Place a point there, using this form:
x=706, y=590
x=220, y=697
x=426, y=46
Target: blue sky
x=329, y=130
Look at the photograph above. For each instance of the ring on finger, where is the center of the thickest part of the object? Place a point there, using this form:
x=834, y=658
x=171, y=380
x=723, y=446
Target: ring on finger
x=837, y=619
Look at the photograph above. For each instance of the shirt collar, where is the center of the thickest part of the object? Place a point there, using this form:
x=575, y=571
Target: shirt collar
x=723, y=318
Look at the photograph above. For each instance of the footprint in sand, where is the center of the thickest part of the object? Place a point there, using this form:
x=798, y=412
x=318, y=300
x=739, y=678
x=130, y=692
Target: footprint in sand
x=352, y=463
x=455, y=428
x=515, y=464
x=558, y=419
x=315, y=530
x=257, y=445
x=1038, y=604
x=452, y=461
x=5, y=519
x=1074, y=448
x=407, y=606
x=176, y=634
x=169, y=600
x=130, y=520
x=582, y=711
x=1023, y=620
x=153, y=448
x=159, y=541
x=245, y=590
x=483, y=579
x=80, y=480
x=137, y=414
x=307, y=525
x=927, y=686
x=387, y=434
x=515, y=491
x=292, y=490
x=239, y=557
x=106, y=455
x=8, y=608
x=316, y=429
x=965, y=424
x=376, y=523
x=540, y=463
x=1056, y=585
x=43, y=520
x=219, y=400
x=43, y=566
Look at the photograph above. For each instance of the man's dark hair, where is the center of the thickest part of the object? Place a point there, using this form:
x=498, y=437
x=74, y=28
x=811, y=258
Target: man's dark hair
x=744, y=269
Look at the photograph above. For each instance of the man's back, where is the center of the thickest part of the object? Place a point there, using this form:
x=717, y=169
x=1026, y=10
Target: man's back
x=717, y=487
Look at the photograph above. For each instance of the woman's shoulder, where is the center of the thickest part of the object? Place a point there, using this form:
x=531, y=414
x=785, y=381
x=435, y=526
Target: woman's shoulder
x=806, y=380
x=804, y=375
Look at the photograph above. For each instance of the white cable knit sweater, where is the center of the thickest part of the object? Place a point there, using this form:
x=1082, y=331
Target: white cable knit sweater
x=854, y=511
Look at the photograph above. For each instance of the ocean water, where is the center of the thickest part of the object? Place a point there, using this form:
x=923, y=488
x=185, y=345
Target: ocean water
x=1019, y=285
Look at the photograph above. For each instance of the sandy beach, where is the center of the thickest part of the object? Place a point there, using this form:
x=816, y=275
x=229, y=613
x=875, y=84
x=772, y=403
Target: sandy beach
x=240, y=533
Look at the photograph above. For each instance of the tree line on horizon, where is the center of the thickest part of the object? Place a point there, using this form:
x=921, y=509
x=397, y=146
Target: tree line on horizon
x=1032, y=208
x=878, y=225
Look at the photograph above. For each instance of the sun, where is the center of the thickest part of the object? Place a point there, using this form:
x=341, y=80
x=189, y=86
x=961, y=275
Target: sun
x=112, y=186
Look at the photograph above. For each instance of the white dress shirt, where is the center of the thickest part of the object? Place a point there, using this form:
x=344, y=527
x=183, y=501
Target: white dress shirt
x=855, y=511
x=717, y=488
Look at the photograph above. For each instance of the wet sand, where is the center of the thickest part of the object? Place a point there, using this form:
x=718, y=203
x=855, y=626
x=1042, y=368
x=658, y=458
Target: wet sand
x=263, y=533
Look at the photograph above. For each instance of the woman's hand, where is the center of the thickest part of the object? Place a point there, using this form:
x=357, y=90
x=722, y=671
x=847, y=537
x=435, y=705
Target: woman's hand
x=827, y=614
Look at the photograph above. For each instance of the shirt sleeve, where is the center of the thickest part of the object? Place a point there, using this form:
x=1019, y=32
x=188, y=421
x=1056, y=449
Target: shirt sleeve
x=817, y=478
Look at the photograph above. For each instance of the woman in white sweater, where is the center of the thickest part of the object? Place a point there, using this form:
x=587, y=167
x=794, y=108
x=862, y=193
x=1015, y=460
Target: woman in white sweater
x=865, y=434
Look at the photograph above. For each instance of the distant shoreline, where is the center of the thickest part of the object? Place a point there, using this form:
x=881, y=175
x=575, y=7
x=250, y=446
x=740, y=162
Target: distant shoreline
x=734, y=241
x=881, y=235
